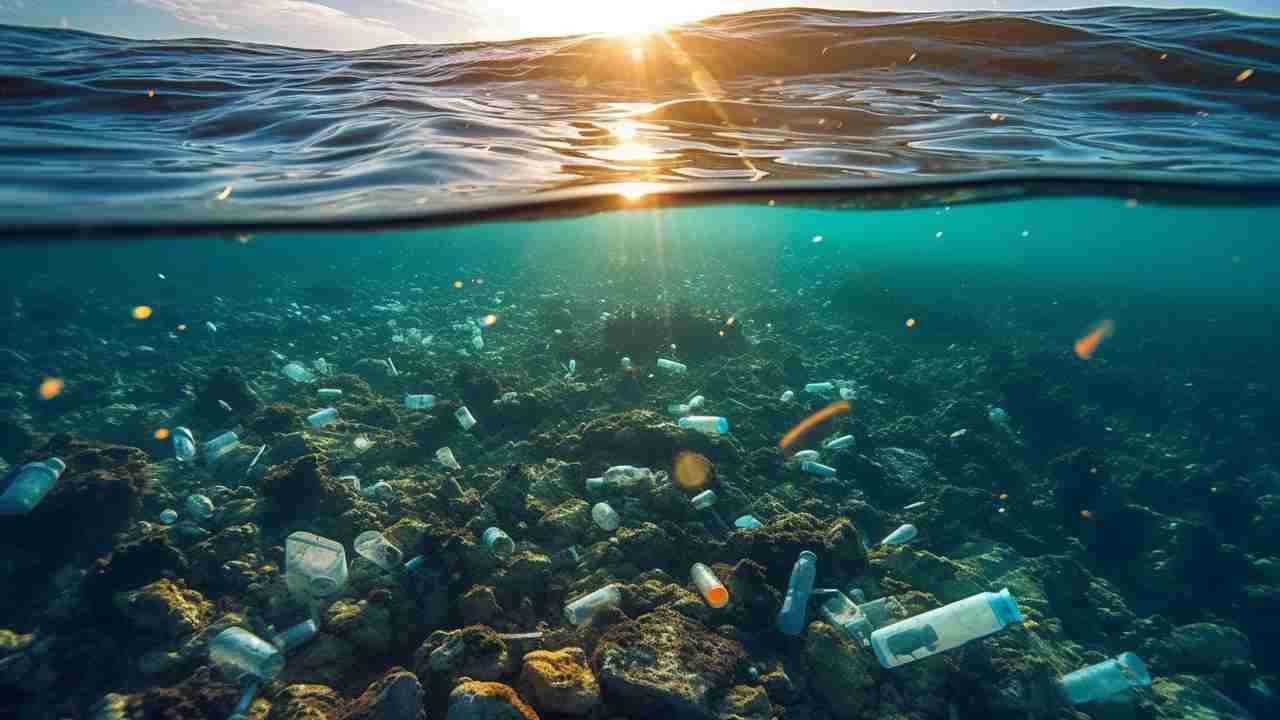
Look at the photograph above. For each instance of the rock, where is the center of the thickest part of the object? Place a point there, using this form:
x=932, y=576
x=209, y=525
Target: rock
x=841, y=555
x=305, y=702
x=228, y=385
x=559, y=681
x=476, y=652
x=479, y=605
x=133, y=564
x=1205, y=647
x=303, y=486
x=364, y=624
x=841, y=674
x=288, y=447
x=327, y=659
x=664, y=664
x=211, y=558
x=744, y=702
x=396, y=696
x=474, y=700
x=1184, y=697
x=15, y=440
x=750, y=594
x=165, y=607
x=566, y=523
x=276, y=420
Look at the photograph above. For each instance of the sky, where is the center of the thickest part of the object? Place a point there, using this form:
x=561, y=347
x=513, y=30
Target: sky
x=353, y=24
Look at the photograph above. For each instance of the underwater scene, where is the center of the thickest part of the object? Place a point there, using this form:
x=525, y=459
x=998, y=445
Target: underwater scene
x=788, y=365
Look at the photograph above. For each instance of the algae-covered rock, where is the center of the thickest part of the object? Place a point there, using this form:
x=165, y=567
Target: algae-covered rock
x=1186, y=697
x=559, y=681
x=745, y=702
x=225, y=384
x=303, y=485
x=326, y=659
x=476, y=700
x=841, y=554
x=133, y=564
x=476, y=652
x=364, y=624
x=164, y=607
x=1205, y=647
x=840, y=673
x=397, y=695
x=665, y=664
x=305, y=702
x=479, y=605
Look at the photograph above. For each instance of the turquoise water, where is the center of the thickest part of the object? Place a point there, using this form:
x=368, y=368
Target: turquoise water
x=1126, y=499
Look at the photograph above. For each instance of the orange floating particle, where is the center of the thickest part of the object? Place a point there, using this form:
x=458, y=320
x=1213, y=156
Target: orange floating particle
x=161, y=434
x=911, y=322
x=151, y=93
x=51, y=388
x=692, y=471
x=1244, y=75
x=1086, y=346
x=489, y=320
x=721, y=333
x=836, y=408
x=141, y=312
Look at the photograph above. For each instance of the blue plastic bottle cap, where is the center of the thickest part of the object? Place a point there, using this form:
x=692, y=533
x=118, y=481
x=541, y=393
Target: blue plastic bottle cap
x=722, y=425
x=1135, y=666
x=1005, y=607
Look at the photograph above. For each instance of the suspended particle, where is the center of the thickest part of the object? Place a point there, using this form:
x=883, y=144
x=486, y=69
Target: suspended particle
x=1244, y=75
x=457, y=284
x=141, y=312
x=161, y=434
x=50, y=388
x=226, y=193
x=911, y=322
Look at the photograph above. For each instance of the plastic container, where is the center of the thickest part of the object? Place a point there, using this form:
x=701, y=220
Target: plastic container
x=295, y=636
x=859, y=620
x=1104, y=679
x=793, y=617
x=580, y=611
x=374, y=547
x=29, y=486
x=620, y=477
x=787, y=396
x=184, y=444
x=606, y=517
x=625, y=363
x=168, y=516
x=713, y=591
x=944, y=628
x=803, y=456
x=198, y=507
x=446, y=458
x=298, y=373
x=704, y=499
x=678, y=409
x=748, y=522
x=705, y=424
x=817, y=468
x=839, y=443
x=329, y=393
x=902, y=535
x=239, y=653
x=465, y=418
x=220, y=445
x=419, y=402
x=321, y=418
x=315, y=567
x=498, y=542
x=672, y=366
x=819, y=387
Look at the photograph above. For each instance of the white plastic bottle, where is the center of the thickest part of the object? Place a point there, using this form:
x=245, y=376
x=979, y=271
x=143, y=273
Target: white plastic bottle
x=944, y=628
x=580, y=611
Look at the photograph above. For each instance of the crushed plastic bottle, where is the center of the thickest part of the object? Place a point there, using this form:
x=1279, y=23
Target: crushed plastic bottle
x=298, y=373
x=793, y=616
x=787, y=396
x=323, y=418
x=30, y=484
x=620, y=477
x=295, y=636
x=184, y=444
x=804, y=456
x=240, y=654
x=944, y=628
x=838, y=443
x=329, y=393
x=219, y=446
x=817, y=468
x=748, y=522
x=580, y=611
x=380, y=492
x=498, y=542
x=819, y=388
x=1104, y=680
x=315, y=566
x=605, y=517
x=445, y=456
x=464, y=417
x=705, y=424
x=377, y=549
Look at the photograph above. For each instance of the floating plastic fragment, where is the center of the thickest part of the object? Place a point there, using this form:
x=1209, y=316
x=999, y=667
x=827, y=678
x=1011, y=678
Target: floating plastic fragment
x=704, y=499
x=239, y=653
x=465, y=418
x=184, y=444
x=322, y=418
x=713, y=591
x=580, y=611
x=374, y=547
x=696, y=402
x=168, y=516
x=498, y=542
x=298, y=373
x=1104, y=680
x=255, y=460
x=944, y=628
x=619, y=477
x=30, y=484
x=915, y=505
x=625, y=363
x=705, y=424
x=793, y=616
x=446, y=458
x=787, y=396
x=902, y=535
x=839, y=443
x=804, y=456
x=819, y=388
x=329, y=393
x=419, y=402
x=748, y=522
x=220, y=446
x=605, y=517
x=817, y=468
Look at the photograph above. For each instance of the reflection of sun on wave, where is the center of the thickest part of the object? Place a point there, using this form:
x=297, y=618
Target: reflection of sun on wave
x=631, y=152
x=635, y=190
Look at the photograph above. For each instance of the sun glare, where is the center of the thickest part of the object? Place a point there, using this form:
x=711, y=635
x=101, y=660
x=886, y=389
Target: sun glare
x=569, y=17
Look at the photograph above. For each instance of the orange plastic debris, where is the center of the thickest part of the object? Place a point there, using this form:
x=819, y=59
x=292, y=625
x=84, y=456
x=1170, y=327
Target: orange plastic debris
x=826, y=413
x=1088, y=345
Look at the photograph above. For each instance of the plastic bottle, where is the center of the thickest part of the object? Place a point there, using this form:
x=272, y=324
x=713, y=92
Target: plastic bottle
x=465, y=418
x=240, y=653
x=904, y=534
x=168, y=516
x=184, y=444
x=839, y=443
x=1104, y=679
x=678, y=409
x=858, y=620
x=298, y=373
x=315, y=567
x=293, y=637
x=672, y=366
x=944, y=628
x=787, y=396
x=803, y=456
x=374, y=547
x=605, y=516
x=704, y=499
x=817, y=468
x=329, y=393
x=705, y=424
x=748, y=522
x=498, y=542
x=713, y=591
x=696, y=402
x=30, y=484
x=580, y=611
x=793, y=617
x=321, y=418
x=819, y=388
x=220, y=445
x=446, y=458
x=198, y=507
x=620, y=477
x=419, y=402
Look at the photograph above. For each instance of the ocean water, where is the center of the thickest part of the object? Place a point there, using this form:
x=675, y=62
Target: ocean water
x=936, y=256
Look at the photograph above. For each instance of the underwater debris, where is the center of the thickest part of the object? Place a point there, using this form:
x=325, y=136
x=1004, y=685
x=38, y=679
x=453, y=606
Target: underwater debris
x=1088, y=343
x=800, y=430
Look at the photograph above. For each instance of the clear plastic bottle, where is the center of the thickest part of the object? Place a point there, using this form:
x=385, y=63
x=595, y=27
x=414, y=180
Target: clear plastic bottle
x=580, y=611
x=704, y=500
x=793, y=617
x=446, y=458
x=1105, y=679
x=498, y=542
x=464, y=418
x=804, y=456
x=819, y=388
x=239, y=653
x=904, y=534
x=817, y=468
x=839, y=443
x=605, y=516
x=620, y=477
x=295, y=636
x=705, y=424
x=672, y=366
x=419, y=402
x=315, y=567
x=321, y=418
x=374, y=547
x=787, y=396
x=944, y=628
x=298, y=373
x=329, y=393
x=220, y=445
x=748, y=522
x=713, y=591
x=184, y=444
x=30, y=484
